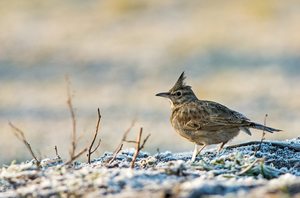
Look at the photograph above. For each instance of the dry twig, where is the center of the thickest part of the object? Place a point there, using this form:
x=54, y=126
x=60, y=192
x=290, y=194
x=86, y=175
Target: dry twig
x=56, y=152
x=76, y=156
x=144, y=142
x=120, y=146
x=116, y=152
x=262, y=137
x=90, y=151
x=139, y=147
x=73, y=117
x=20, y=135
x=73, y=154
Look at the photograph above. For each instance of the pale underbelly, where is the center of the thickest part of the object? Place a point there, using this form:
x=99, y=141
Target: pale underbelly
x=209, y=137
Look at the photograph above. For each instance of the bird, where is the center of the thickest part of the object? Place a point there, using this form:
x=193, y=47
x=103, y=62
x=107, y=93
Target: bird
x=204, y=122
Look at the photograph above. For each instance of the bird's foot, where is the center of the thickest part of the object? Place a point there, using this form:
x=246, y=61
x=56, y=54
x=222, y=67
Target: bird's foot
x=196, y=153
x=192, y=162
x=220, y=152
x=220, y=149
x=193, y=159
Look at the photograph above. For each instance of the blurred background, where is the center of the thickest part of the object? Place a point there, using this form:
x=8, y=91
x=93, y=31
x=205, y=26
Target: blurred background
x=119, y=53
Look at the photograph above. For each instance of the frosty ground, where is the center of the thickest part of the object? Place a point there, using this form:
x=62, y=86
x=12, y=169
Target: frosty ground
x=272, y=170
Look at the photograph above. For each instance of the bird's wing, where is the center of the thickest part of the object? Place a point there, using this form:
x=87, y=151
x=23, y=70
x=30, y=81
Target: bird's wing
x=210, y=116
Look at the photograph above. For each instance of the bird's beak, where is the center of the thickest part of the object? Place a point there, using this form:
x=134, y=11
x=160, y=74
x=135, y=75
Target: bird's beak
x=164, y=94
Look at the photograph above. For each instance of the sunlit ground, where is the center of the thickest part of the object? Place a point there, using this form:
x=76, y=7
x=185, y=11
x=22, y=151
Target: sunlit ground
x=119, y=54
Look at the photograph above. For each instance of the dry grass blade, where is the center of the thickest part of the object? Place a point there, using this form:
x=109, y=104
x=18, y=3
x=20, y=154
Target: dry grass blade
x=249, y=167
x=90, y=151
x=20, y=135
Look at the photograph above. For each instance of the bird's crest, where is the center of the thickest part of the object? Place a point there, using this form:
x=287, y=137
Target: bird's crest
x=179, y=83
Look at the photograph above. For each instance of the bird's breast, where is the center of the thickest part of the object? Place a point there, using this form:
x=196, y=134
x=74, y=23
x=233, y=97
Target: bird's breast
x=178, y=126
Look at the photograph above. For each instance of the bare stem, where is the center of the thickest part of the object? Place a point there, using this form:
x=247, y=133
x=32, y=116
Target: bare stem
x=20, y=135
x=262, y=137
x=99, y=142
x=144, y=142
x=120, y=146
x=76, y=156
x=115, y=154
x=73, y=117
x=74, y=142
x=90, y=151
x=137, y=149
x=139, y=146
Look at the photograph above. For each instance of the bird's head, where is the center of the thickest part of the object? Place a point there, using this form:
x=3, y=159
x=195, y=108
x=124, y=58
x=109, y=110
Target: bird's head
x=180, y=93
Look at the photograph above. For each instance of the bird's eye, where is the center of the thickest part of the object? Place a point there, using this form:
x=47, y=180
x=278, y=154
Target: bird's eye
x=178, y=93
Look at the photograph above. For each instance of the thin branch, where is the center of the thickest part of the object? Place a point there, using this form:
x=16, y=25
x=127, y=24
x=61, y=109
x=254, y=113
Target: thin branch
x=262, y=137
x=73, y=154
x=115, y=154
x=76, y=156
x=127, y=131
x=20, y=135
x=99, y=142
x=137, y=149
x=139, y=146
x=90, y=151
x=73, y=117
x=144, y=142
x=120, y=146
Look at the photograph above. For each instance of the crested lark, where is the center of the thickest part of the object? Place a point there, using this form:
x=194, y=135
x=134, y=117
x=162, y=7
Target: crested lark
x=205, y=122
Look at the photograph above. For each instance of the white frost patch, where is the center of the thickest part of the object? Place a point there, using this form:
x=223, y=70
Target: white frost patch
x=234, y=172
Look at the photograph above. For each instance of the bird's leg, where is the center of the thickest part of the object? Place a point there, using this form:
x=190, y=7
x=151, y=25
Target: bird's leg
x=196, y=151
x=221, y=147
x=204, y=145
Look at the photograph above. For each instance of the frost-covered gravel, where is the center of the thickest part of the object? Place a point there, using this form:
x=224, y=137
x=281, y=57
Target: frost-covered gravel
x=234, y=172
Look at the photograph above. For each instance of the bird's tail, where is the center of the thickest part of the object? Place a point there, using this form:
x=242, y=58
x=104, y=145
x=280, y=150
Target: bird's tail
x=263, y=128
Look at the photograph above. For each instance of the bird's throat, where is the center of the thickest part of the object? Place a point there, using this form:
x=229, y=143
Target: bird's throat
x=171, y=103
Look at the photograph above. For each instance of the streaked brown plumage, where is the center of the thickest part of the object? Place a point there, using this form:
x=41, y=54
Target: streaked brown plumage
x=205, y=122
